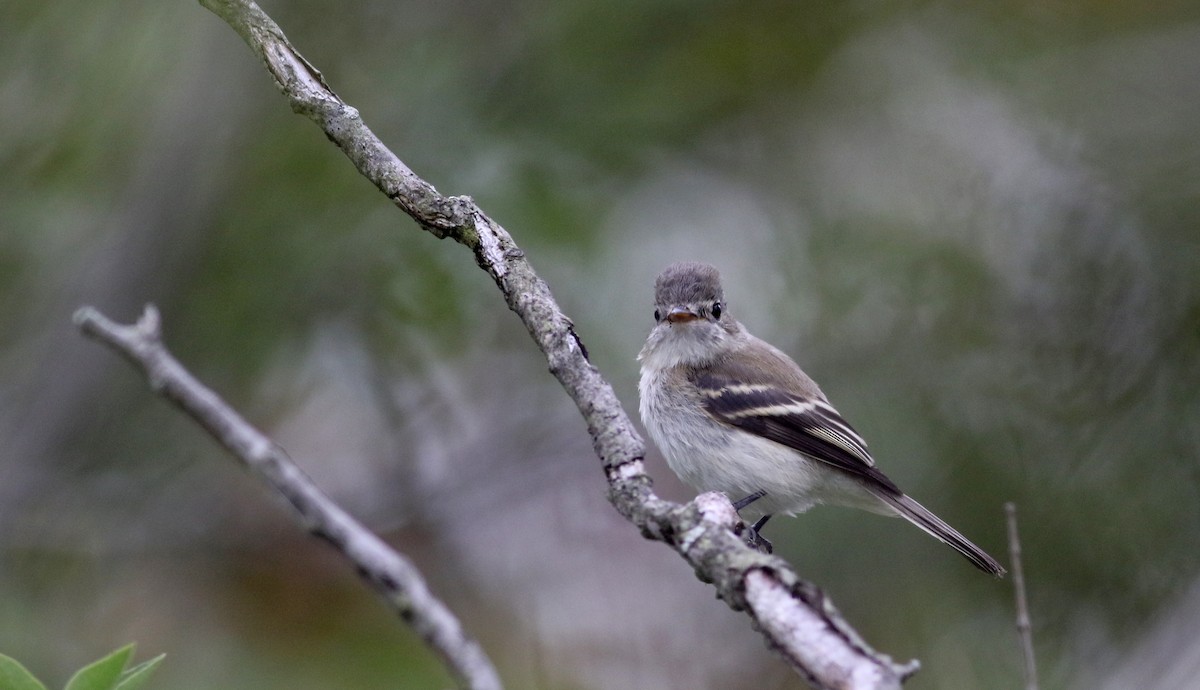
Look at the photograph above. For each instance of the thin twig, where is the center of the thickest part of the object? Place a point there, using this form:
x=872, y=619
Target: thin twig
x=382, y=567
x=1024, y=628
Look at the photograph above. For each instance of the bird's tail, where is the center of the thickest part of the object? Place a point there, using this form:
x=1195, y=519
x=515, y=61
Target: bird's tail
x=918, y=515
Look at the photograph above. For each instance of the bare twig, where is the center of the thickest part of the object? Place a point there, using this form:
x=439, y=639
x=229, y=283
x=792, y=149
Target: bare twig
x=383, y=568
x=1024, y=631
x=796, y=619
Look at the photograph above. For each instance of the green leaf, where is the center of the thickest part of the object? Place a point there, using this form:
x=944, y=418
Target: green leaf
x=13, y=676
x=103, y=674
x=134, y=678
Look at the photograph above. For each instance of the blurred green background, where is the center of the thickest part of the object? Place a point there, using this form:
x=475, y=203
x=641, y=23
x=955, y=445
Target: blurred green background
x=977, y=224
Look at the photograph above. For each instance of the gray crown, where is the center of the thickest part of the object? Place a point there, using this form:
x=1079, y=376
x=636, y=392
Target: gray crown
x=688, y=282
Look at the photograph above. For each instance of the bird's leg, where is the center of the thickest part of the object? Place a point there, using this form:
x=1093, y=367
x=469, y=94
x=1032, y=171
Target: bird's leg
x=738, y=505
x=756, y=539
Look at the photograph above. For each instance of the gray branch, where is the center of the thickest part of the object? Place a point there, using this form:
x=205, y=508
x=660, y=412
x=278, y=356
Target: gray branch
x=796, y=619
x=383, y=568
x=1024, y=627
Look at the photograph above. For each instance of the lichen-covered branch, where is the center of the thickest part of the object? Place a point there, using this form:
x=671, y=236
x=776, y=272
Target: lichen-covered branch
x=796, y=619
x=387, y=571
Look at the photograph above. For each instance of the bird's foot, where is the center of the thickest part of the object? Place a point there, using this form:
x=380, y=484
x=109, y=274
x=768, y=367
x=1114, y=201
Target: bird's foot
x=759, y=543
x=755, y=539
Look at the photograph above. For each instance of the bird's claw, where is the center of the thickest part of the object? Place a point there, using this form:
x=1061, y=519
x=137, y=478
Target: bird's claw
x=758, y=542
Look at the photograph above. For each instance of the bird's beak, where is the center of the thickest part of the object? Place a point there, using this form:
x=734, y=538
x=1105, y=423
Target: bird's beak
x=681, y=315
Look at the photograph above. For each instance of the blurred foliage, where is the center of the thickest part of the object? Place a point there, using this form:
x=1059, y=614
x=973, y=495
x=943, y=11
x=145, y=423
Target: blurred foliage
x=109, y=673
x=975, y=223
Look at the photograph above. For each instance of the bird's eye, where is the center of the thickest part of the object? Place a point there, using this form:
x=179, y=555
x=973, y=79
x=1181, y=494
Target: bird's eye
x=657, y=316
x=716, y=310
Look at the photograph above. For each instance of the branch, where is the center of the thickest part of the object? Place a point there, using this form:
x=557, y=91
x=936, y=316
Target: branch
x=794, y=616
x=1024, y=631
x=384, y=569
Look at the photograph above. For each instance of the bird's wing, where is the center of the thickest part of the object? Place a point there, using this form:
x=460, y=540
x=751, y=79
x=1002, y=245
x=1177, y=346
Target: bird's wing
x=808, y=424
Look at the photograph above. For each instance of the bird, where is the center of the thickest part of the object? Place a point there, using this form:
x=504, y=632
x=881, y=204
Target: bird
x=734, y=414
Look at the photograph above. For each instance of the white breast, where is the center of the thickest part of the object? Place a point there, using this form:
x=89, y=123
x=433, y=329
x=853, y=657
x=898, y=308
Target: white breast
x=711, y=456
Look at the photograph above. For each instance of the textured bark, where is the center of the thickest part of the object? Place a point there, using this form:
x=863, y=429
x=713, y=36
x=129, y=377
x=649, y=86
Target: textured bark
x=382, y=567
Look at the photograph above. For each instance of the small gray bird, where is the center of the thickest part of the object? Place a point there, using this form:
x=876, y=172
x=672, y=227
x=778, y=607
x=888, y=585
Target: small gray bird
x=731, y=413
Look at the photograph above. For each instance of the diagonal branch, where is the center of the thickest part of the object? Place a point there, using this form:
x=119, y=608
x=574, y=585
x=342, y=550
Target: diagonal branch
x=384, y=569
x=794, y=616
